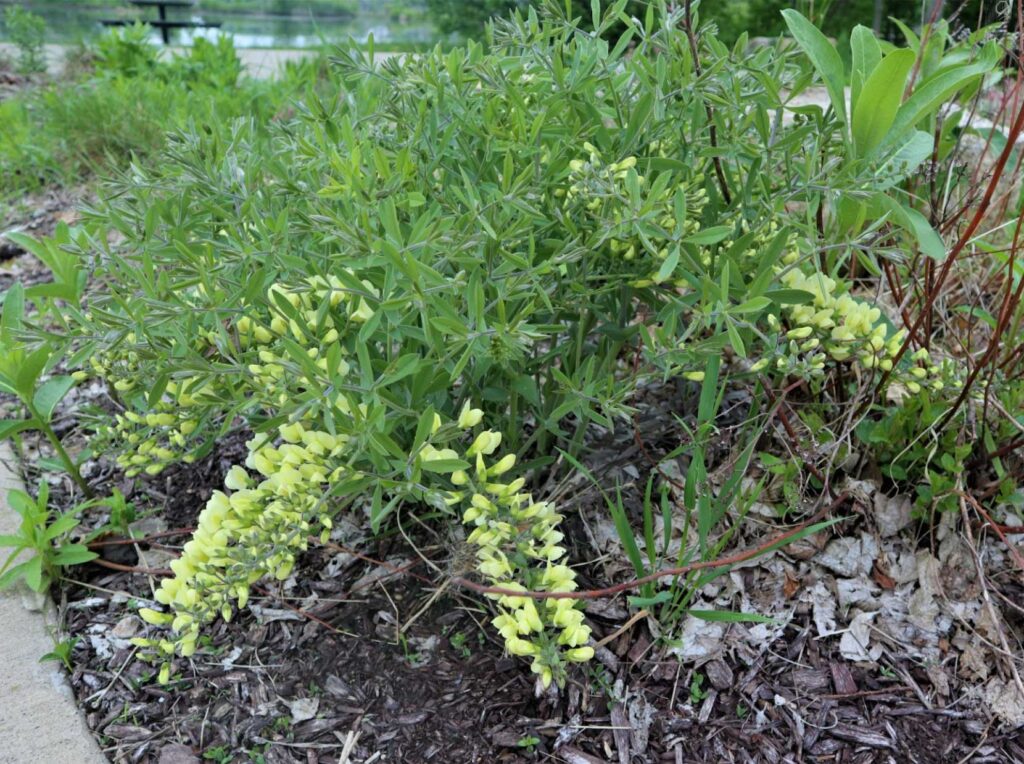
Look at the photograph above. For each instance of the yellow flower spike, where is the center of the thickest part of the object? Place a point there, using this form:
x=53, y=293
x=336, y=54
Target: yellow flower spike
x=528, y=618
x=579, y=654
x=459, y=477
x=502, y=466
x=574, y=636
x=626, y=164
x=430, y=454
x=759, y=365
x=543, y=671
x=506, y=626
x=469, y=416
x=800, y=333
x=485, y=443
x=518, y=646
x=155, y=617
x=237, y=479
x=292, y=433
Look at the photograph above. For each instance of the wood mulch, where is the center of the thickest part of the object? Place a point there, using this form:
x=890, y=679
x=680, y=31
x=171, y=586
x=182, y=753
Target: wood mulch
x=360, y=658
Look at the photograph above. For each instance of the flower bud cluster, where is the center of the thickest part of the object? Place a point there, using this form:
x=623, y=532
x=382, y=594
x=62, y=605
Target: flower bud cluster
x=254, y=530
x=592, y=181
x=158, y=437
x=518, y=549
x=314, y=317
x=837, y=326
x=149, y=437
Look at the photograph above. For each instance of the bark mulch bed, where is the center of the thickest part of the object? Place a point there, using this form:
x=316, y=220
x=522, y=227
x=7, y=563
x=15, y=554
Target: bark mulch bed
x=359, y=658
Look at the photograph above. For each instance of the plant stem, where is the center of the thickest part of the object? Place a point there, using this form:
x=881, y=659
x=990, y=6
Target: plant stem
x=68, y=462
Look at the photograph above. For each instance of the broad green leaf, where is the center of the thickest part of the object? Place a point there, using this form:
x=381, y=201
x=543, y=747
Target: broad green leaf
x=33, y=573
x=876, y=108
x=641, y=602
x=12, y=575
x=824, y=57
x=912, y=40
x=916, y=149
x=50, y=393
x=28, y=372
x=913, y=222
x=60, y=526
x=865, y=54
x=927, y=98
x=668, y=265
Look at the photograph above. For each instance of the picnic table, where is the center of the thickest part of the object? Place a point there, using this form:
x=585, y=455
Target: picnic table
x=163, y=24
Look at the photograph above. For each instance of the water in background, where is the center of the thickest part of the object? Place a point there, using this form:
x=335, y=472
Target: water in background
x=69, y=24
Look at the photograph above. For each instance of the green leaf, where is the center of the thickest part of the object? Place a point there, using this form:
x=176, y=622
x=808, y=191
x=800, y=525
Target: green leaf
x=729, y=616
x=444, y=465
x=625, y=533
x=753, y=305
x=49, y=394
x=824, y=57
x=9, y=427
x=74, y=554
x=709, y=235
x=668, y=265
x=876, y=107
x=659, y=598
x=27, y=374
x=33, y=573
x=790, y=296
x=60, y=526
x=929, y=96
x=914, y=223
x=14, y=309
x=12, y=575
x=865, y=54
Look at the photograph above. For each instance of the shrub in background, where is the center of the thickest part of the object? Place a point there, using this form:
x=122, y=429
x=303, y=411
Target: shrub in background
x=27, y=31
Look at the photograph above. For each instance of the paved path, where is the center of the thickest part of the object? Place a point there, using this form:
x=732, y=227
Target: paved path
x=39, y=722
x=259, y=62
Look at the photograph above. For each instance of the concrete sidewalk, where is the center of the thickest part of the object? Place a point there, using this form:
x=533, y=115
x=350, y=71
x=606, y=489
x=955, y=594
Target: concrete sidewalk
x=39, y=721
